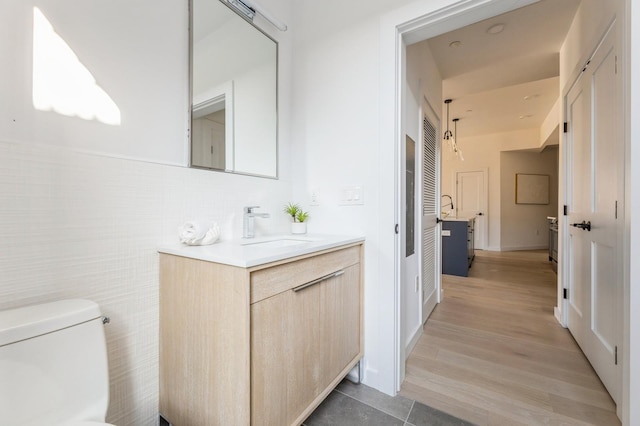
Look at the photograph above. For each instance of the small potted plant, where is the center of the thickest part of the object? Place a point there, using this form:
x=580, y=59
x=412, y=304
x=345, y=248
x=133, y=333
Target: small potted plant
x=298, y=217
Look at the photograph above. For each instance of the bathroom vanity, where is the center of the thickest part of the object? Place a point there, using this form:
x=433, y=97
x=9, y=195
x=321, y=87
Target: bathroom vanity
x=257, y=333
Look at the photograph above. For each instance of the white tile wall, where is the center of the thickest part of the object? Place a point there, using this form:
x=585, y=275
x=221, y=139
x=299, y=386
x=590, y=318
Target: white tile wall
x=78, y=225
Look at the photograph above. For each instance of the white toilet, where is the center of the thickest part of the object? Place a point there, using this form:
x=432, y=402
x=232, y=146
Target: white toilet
x=53, y=365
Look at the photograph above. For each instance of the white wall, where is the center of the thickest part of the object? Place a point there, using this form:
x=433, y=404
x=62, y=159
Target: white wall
x=127, y=53
x=82, y=225
x=525, y=226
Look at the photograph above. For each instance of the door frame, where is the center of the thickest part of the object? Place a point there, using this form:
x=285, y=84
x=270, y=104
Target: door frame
x=408, y=25
x=418, y=21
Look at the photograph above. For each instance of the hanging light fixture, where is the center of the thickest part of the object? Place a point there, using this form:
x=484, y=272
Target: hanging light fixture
x=449, y=137
x=447, y=134
x=454, y=145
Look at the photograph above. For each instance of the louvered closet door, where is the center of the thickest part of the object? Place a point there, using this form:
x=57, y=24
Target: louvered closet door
x=430, y=227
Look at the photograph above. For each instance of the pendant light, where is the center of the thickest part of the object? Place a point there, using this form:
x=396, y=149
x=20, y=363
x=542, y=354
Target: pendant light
x=457, y=150
x=447, y=134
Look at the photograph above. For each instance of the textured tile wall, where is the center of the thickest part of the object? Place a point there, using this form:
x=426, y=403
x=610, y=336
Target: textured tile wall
x=78, y=225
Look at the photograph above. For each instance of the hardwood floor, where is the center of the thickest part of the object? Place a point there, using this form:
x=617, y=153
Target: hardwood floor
x=492, y=352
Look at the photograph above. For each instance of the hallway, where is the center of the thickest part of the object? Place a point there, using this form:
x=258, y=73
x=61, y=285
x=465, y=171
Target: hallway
x=492, y=352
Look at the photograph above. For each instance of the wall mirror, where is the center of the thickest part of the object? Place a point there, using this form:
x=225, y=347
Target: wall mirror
x=234, y=92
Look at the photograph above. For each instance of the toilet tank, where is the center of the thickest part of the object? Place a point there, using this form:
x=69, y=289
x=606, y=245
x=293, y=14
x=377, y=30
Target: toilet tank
x=53, y=364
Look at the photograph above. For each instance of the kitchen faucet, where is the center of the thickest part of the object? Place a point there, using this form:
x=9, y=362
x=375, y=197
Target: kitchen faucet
x=450, y=201
x=247, y=223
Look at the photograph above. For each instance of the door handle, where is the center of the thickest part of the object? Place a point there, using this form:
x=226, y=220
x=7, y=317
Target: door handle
x=438, y=220
x=480, y=214
x=584, y=225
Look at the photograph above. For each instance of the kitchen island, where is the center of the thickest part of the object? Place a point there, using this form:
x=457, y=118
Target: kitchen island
x=457, y=245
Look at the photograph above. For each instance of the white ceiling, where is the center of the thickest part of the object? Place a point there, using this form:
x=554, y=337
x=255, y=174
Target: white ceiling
x=488, y=76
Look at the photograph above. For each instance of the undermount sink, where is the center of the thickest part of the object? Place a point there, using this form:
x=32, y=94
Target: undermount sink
x=282, y=242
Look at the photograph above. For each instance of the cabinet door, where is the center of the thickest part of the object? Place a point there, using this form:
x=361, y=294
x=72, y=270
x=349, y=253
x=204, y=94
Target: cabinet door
x=341, y=321
x=270, y=346
x=300, y=343
x=286, y=349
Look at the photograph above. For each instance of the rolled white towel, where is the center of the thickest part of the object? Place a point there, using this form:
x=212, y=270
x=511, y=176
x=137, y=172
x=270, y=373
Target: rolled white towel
x=192, y=230
x=195, y=233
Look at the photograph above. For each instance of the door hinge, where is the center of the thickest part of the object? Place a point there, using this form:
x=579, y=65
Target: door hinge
x=566, y=210
x=586, y=65
x=616, y=64
x=566, y=127
x=565, y=293
x=616, y=355
x=397, y=229
x=616, y=209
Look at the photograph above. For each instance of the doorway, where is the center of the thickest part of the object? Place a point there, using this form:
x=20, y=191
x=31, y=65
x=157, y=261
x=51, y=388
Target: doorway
x=415, y=28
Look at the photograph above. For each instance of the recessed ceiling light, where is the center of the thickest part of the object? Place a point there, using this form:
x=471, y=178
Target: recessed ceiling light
x=529, y=97
x=469, y=110
x=495, y=29
x=455, y=44
x=522, y=117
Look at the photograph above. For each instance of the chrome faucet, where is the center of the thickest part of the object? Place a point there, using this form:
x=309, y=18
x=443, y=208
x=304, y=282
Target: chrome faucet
x=247, y=223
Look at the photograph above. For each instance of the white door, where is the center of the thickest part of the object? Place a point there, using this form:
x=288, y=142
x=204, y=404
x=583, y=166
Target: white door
x=208, y=141
x=471, y=200
x=430, y=238
x=594, y=183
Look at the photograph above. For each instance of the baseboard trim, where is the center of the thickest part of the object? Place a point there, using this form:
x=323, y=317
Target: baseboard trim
x=412, y=343
x=558, y=315
x=522, y=248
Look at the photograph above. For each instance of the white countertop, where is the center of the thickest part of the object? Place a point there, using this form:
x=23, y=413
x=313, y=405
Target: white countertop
x=246, y=253
x=458, y=219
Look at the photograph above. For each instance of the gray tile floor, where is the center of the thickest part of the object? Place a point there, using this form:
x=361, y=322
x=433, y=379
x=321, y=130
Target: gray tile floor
x=353, y=405
x=360, y=405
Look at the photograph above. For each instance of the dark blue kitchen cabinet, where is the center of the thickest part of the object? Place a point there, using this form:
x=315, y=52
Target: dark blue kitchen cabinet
x=457, y=246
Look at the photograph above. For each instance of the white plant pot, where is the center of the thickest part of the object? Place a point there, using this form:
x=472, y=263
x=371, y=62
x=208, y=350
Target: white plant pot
x=298, y=228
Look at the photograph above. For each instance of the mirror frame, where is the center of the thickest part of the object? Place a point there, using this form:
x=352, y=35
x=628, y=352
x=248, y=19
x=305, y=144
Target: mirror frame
x=225, y=91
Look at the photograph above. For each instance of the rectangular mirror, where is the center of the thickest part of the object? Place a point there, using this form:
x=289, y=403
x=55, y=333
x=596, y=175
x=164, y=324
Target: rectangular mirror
x=234, y=92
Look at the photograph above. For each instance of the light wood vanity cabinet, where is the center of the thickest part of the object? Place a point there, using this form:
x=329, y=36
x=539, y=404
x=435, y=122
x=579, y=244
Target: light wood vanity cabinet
x=259, y=346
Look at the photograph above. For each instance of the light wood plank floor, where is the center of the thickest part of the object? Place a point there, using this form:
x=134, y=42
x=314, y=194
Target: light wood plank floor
x=492, y=352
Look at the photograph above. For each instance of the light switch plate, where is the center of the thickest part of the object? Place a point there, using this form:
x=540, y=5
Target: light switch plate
x=351, y=195
x=315, y=198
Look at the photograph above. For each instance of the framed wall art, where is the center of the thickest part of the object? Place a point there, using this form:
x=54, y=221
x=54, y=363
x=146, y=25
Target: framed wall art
x=532, y=189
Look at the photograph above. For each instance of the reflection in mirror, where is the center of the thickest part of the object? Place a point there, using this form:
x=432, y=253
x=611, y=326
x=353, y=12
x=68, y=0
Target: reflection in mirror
x=234, y=92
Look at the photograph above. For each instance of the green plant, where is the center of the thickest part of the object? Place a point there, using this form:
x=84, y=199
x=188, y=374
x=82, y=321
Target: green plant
x=292, y=210
x=301, y=216
x=296, y=213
